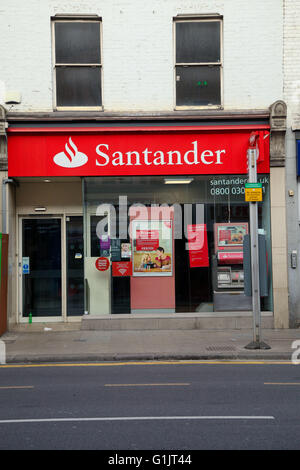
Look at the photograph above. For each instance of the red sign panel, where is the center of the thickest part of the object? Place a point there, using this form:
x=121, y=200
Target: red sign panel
x=98, y=152
x=198, y=248
x=102, y=264
x=122, y=268
x=224, y=235
x=231, y=257
x=147, y=240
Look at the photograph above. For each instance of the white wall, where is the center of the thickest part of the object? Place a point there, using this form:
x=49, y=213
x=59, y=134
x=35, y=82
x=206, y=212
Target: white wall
x=138, y=51
x=291, y=68
x=291, y=59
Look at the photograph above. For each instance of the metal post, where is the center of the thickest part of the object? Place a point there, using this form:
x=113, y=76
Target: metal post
x=253, y=216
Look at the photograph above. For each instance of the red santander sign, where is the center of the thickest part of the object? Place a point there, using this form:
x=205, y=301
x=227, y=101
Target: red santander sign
x=156, y=152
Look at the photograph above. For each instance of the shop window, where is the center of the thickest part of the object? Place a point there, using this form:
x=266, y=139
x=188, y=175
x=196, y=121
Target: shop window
x=77, y=63
x=198, y=62
x=171, y=247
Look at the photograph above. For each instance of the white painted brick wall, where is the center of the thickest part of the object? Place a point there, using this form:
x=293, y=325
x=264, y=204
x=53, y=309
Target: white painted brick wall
x=291, y=58
x=138, y=62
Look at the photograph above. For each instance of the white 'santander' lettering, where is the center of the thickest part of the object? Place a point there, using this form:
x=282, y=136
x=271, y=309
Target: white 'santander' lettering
x=147, y=157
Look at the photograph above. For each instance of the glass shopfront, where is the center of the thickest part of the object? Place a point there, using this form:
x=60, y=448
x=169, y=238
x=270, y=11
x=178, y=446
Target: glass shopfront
x=169, y=244
x=165, y=221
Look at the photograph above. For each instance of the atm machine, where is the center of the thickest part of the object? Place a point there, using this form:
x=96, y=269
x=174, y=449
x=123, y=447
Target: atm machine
x=227, y=267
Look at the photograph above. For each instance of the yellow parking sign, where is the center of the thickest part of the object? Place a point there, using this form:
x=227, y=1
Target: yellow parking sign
x=253, y=192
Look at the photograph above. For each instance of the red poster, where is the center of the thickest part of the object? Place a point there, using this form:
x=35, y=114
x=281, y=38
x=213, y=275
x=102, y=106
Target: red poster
x=102, y=264
x=224, y=235
x=121, y=268
x=147, y=240
x=198, y=248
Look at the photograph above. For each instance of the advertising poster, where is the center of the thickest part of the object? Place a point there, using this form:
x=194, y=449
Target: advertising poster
x=102, y=264
x=198, y=247
x=152, y=247
x=230, y=235
x=121, y=268
x=105, y=245
x=115, y=249
x=126, y=250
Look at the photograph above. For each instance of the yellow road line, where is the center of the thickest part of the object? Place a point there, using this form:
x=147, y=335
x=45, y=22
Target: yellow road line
x=148, y=385
x=135, y=363
x=16, y=386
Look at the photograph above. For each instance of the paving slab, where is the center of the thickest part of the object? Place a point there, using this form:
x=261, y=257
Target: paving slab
x=46, y=343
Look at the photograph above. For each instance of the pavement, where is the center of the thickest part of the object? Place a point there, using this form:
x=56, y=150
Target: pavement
x=61, y=342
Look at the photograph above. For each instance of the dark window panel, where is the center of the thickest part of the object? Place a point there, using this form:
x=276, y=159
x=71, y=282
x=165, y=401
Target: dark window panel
x=75, y=271
x=94, y=239
x=198, y=42
x=77, y=43
x=78, y=86
x=198, y=85
x=42, y=285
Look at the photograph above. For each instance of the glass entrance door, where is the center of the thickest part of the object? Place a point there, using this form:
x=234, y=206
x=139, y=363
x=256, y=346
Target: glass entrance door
x=74, y=261
x=41, y=267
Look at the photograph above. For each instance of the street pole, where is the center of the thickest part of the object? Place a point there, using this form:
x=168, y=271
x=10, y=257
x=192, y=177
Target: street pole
x=257, y=343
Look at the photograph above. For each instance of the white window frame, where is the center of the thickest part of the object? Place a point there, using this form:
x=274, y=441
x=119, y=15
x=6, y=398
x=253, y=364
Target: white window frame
x=55, y=65
x=199, y=19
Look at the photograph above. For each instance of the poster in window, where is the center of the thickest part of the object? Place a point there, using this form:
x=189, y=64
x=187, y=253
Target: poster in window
x=105, y=245
x=115, y=249
x=230, y=235
x=152, y=242
x=198, y=247
x=126, y=250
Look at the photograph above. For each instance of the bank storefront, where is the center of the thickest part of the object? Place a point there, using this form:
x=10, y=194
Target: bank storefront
x=134, y=220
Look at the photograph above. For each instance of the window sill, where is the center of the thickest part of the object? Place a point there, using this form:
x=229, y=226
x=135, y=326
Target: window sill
x=207, y=107
x=78, y=108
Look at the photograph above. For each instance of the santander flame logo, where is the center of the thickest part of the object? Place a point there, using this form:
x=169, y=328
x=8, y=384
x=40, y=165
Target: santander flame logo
x=71, y=157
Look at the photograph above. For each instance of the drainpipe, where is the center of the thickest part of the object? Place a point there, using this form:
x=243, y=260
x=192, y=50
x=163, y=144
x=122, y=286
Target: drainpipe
x=3, y=164
x=5, y=181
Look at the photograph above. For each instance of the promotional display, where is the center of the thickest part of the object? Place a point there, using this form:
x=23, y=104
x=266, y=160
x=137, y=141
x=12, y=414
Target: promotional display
x=104, y=246
x=152, y=247
x=121, y=268
x=230, y=236
x=125, y=250
x=102, y=264
x=115, y=249
x=147, y=240
x=198, y=249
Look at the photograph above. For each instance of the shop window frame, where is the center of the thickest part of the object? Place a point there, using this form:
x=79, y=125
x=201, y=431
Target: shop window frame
x=198, y=19
x=56, y=65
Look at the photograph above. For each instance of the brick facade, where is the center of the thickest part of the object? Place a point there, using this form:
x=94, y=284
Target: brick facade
x=138, y=51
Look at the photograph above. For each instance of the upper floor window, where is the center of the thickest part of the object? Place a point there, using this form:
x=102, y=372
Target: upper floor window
x=77, y=63
x=198, y=62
